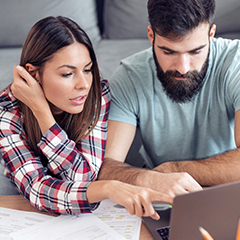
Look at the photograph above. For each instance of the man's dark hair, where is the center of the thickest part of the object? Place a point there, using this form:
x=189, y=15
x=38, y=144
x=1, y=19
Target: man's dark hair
x=173, y=19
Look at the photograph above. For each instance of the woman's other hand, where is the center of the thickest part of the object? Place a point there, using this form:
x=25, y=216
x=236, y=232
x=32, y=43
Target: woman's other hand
x=136, y=200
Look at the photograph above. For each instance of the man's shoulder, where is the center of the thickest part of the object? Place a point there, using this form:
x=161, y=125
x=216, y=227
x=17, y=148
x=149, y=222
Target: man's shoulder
x=138, y=58
x=225, y=45
x=135, y=68
x=225, y=52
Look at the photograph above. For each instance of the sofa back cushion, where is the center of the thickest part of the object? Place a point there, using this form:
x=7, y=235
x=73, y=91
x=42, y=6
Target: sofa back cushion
x=129, y=19
x=124, y=19
x=227, y=17
x=17, y=17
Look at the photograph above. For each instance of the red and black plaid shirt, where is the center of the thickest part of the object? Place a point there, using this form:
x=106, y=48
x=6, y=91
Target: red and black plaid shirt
x=74, y=166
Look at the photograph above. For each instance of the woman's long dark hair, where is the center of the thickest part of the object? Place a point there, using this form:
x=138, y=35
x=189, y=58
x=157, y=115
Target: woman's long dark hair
x=44, y=39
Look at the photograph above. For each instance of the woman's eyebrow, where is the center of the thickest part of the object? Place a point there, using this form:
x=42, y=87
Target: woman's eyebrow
x=89, y=64
x=68, y=66
x=73, y=67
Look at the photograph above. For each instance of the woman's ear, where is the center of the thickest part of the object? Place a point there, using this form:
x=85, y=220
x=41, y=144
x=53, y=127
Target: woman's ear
x=32, y=70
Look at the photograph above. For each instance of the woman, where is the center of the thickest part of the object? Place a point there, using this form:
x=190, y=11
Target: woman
x=53, y=125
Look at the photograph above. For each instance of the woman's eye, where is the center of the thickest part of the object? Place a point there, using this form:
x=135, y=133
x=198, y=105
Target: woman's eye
x=89, y=70
x=67, y=75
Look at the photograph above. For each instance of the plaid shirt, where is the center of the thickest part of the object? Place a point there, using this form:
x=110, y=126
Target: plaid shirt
x=61, y=187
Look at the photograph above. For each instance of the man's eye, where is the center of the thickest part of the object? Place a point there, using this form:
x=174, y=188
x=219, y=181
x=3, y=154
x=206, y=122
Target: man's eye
x=67, y=75
x=195, y=52
x=168, y=53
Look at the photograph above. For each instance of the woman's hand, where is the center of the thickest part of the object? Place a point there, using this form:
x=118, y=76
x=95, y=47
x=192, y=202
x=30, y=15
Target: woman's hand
x=136, y=200
x=28, y=90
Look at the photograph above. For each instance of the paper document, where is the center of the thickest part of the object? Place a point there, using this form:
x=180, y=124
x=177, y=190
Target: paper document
x=65, y=227
x=119, y=219
x=13, y=220
x=109, y=222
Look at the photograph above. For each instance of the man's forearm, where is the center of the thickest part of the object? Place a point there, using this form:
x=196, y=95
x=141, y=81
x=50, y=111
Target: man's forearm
x=215, y=170
x=171, y=184
x=115, y=170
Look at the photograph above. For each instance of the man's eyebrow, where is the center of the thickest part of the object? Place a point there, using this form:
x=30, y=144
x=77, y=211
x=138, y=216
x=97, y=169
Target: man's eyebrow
x=173, y=51
x=73, y=67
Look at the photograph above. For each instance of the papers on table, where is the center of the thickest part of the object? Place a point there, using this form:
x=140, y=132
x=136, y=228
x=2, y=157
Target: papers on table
x=108, y=222
x=119, y=219
x=12, y=221
x=65, y=227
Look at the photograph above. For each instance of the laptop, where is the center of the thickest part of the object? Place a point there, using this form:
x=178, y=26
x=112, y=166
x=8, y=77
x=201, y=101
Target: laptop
x=216, y=209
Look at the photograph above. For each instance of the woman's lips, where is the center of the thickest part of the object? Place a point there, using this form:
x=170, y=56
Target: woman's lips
x=79, y=100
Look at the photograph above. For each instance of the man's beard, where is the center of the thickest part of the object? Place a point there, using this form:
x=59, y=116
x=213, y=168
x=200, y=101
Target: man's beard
x=181, y=91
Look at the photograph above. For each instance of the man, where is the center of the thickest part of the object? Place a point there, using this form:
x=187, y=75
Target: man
x=184, y=93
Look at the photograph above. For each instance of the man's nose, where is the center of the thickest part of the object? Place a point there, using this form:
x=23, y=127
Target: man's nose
x=183, y=63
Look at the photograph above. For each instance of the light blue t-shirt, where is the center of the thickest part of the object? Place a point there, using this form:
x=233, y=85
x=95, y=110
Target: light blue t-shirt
x=172, y=131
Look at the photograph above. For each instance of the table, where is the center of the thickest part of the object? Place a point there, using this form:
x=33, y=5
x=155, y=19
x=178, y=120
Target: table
x=18, y=202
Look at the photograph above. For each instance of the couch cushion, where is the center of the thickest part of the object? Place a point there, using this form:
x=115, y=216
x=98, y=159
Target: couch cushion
x=8, y=58
x=17, y=17
x=125, y=19
x=129, y=19
x=111, y=52
x=227, y=15
x=6, y=186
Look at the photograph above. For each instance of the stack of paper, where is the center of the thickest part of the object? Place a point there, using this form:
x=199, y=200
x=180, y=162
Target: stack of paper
x=108, y=222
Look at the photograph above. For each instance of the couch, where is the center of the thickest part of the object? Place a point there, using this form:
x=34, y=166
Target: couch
x=117, y=28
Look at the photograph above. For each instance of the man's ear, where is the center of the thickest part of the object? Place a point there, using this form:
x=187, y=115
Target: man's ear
x=150, y=34
x=212, y=32
x=33, y=71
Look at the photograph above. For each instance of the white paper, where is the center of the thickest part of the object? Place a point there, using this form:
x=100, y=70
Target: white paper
x=13, y=220
x=65, y=227
x=119, y=219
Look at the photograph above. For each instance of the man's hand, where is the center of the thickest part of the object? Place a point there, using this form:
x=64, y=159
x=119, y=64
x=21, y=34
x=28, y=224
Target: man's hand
x=171, y=184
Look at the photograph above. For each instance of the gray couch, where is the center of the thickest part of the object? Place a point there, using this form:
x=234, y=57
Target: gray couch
x=117, y=28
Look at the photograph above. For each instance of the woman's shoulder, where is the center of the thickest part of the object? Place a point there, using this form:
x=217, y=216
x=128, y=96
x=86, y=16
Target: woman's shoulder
x=105, y=87
x=10, y=116
x=7, y=101
x=104, y=83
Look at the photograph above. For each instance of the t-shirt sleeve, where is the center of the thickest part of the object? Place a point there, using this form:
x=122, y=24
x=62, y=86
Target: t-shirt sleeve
x=124, y=105
x=231, y=70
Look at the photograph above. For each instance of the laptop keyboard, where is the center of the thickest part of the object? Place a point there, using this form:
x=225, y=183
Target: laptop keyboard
x=164, y=233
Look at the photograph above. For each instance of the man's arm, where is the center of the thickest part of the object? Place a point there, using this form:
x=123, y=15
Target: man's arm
x=215, y=170
x=119, y=140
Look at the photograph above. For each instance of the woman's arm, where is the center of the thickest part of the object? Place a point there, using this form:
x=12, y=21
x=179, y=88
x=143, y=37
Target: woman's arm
x=33, y=180
x=137, y=200
x=62, y=196
x=73, y=160
x=67, y=195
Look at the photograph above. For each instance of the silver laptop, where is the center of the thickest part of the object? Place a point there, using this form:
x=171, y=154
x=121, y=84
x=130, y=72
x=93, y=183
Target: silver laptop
x=216, y=209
